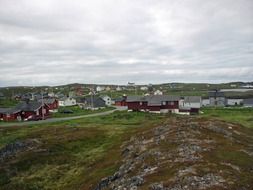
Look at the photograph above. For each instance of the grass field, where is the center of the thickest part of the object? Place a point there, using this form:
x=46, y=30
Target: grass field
x=78, y=111
x=69, y=155
x=6, y=103
x=76, y=154
x=243, y=116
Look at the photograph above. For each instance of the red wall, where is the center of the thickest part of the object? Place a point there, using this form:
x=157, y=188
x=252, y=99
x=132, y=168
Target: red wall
x=154, y=108
x=120, y=103
x=27, y=114
x=144, y=106
x=169, y=106
x=136, y=106
x=54, y=105
x=12, y=117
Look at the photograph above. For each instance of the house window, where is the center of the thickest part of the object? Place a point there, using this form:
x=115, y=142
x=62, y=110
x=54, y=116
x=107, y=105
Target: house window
x=140, y=103
x=8, y=115
x=171, y=103
x=163, y=103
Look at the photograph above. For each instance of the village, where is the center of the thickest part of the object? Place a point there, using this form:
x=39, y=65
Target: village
x=34, y=105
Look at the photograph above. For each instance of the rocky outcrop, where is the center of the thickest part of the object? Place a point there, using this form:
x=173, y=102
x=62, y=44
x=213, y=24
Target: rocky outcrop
x=10, y=150
x=176, y=156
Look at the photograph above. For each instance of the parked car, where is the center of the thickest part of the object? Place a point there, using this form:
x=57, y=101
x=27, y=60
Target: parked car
x=66, y=111
x=33, y=118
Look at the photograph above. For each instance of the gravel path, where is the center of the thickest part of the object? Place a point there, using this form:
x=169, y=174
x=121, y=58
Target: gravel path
x=51, y=120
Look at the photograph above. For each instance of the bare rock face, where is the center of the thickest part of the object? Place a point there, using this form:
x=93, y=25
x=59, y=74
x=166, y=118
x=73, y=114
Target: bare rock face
x=185, y=153
x=10, y=150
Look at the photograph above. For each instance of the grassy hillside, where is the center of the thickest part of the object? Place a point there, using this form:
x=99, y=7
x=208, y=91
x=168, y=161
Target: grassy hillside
x=243, y=116
x=66, y=155
x=171, y=149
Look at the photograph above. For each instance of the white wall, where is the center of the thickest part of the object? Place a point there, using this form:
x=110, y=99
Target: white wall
x=108, y=100
x=67, y=102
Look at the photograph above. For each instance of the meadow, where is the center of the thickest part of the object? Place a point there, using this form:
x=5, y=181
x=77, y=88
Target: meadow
x=240, y=115
x=77, y=111
x=69, y=155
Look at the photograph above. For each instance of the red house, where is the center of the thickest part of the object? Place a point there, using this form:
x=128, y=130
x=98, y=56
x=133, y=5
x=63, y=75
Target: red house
x=24, y=110
x=33, y=108
x=52, y=103
x=10, y=114
x=154, y=103
x=121, y=101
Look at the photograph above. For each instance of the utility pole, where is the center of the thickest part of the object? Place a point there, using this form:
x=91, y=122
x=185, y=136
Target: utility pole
x=92, y=98
x=42, y=102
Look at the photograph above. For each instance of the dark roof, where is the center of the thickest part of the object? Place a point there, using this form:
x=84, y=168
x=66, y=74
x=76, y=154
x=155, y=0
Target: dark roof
x=216, y=94
x=120, y=99
x=9, y=110
x=1, y=94
x=248, y=101
x=47, y=100
x=95, y=100
x=152, y=100
x=29, y=106
x=156, y=100
x=135, y=99
x=192, y=99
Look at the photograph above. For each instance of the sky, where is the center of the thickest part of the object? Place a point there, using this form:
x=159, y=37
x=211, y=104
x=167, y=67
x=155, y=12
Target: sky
x=53, y=42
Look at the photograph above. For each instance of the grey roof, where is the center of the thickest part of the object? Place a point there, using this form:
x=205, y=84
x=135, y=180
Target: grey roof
x=216, y=94
x=135, y=99
x=154, y=100
x=192, y=99
x=1, y=94
x=119, y=99
x=9, y=110
x=95, y=100
x=248, y=101
x=47, y=100
x=29, y=106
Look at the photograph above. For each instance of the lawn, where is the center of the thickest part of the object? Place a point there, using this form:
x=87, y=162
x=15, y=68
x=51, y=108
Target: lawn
x=72, y=154
x=78, y=111
x=6, y=103
x=243, y=116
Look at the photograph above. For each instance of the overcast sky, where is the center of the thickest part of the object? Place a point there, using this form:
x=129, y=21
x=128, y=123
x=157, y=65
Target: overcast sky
x=51, y=42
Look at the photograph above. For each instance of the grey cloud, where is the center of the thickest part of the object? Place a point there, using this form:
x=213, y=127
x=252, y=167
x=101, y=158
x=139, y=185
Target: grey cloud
x=62, y=41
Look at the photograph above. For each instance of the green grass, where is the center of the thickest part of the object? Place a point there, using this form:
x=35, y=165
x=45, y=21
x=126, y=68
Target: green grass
x=72, y=154
x=6, y=103
x=78, y=111
x=243, y=116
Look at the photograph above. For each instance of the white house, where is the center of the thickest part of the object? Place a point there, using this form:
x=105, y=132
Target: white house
x=107, y=99
x=190, y=102
x=118, y=88
x=144, y=88
x=67, y=101
x=235, y=102
x=158, y=92
x=100, y=88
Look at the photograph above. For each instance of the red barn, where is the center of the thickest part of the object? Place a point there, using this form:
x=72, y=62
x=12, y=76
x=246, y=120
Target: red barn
x=155, y=103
